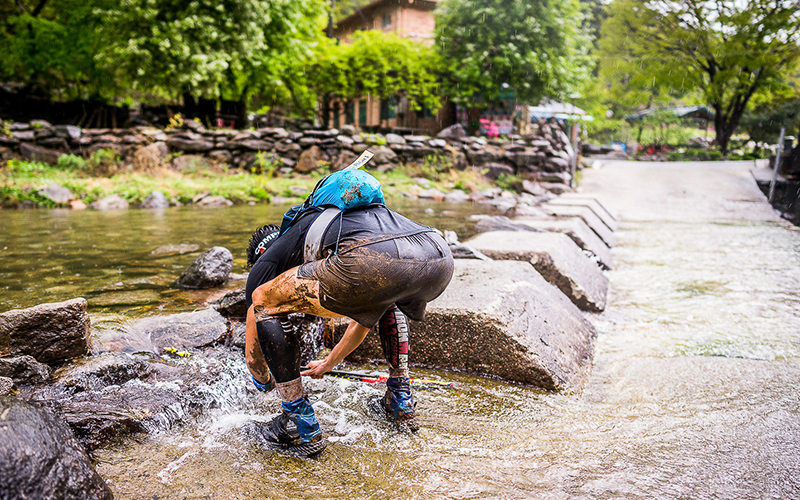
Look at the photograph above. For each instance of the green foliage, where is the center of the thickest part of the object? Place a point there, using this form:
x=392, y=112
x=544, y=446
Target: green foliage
x=71, y=163
x=376, y=64
x=491, y=47
x=729, y=51
x=103, y=162
x=509, y=183
x=266, y=165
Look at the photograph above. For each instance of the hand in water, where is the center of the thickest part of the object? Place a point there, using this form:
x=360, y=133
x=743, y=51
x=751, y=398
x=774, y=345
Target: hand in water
x=316, y=369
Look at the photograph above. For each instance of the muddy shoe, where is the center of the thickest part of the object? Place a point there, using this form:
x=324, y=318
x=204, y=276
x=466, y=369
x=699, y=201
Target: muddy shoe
x=397, y=405
x=295, y=430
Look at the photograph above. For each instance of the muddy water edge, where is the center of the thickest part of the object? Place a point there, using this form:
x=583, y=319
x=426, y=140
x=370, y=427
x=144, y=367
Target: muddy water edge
x=693, y=394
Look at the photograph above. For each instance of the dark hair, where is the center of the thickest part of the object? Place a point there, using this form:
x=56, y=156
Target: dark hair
x=260, y=241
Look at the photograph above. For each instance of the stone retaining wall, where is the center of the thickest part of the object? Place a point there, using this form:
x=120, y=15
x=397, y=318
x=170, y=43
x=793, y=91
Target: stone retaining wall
x=544, y=155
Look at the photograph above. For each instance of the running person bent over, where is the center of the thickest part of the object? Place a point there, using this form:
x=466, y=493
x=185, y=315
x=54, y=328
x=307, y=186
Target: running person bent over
x=373, y=266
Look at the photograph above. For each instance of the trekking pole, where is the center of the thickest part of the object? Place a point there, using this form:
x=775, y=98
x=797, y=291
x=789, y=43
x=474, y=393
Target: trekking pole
x=777, y=164
x=381, y=379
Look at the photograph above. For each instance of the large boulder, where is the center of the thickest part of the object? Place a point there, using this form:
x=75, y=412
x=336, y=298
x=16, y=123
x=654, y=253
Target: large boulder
x=41, y=458
x=501, y=318
x=309, y=160
x=151, y=156
x=557, y=258
x=49, y=332
x=211, y=269
x=182, y=331
x=189, y=146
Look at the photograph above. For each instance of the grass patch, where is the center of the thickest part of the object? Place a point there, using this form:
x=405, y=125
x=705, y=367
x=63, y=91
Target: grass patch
x=100, y=176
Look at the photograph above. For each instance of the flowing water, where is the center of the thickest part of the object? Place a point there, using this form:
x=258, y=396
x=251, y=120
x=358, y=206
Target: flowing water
x=693, y=393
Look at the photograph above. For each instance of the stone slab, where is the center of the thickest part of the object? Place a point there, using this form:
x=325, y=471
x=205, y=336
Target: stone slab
x=49, y=332
x=589, y=217
x=590, y=203
x=578, y=231
x=579, y=196
x=557, y=258
x=501, y=318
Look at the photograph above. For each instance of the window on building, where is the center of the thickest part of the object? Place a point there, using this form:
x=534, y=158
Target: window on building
x=387, y=21
x=388, y=107
x=362, y=112
x=350, y=113
x=424, y=112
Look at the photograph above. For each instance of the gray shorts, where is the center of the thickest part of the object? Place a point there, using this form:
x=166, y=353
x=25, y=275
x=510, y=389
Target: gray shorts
x=365, y=278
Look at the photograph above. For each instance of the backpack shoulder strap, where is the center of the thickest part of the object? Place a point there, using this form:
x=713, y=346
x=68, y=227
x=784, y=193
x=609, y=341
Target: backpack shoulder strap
x=316, y=233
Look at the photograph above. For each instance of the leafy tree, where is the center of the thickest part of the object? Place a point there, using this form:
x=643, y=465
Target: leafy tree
x=208, y=47
x=535, y=48
x=51, y=45
x=729, y=50
x=375, y=64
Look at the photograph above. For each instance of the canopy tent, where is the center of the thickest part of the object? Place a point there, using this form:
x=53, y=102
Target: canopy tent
x=699, y=113
x=559, y=111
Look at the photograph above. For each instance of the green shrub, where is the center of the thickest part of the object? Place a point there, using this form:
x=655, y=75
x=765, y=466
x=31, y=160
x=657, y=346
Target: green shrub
x=71, y=163
x=509, y=183
x=103, y=162
x=714, y=155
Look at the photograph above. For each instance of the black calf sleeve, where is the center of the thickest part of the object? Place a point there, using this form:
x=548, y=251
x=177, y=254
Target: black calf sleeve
x=394, y=331
x=281, y=348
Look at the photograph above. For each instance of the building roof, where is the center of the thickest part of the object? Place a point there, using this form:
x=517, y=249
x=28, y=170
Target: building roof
x=368, y=10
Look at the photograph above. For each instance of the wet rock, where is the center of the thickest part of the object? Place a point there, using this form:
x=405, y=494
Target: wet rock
x=589, y=217
x=431, y=194
x=57, y=193
x=577, y=230
x=456, y=196
x=348, y=130
x=502, y=318
x=41, y=458
x=67, y=131
x=556, y=164
x=112, y=202
x=24, y=135
x=184, y=330
x=98, y=372
x=211, y=269
x=24, y=370
x=6, y=386
x=554, y=184
x=157, y=199
x=49, y=332
x=589, y=203
x=557, y=258
x=232, y=304
x=37, y=153
x=453, y=132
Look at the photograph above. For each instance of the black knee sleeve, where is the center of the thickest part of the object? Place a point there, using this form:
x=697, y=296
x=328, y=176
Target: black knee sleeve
x=281, y=348
x=394, y=331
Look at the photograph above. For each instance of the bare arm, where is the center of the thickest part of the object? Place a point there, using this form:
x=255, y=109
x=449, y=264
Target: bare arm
x=351, y=339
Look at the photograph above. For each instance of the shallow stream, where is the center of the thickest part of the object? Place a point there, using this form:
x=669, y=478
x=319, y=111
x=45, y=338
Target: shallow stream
x=693, y=393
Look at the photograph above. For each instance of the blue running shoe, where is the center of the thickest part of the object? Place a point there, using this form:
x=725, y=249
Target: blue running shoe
x=398, y=403
x=296, y=430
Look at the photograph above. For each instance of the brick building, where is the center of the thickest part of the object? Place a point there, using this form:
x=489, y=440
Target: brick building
x=408, y=19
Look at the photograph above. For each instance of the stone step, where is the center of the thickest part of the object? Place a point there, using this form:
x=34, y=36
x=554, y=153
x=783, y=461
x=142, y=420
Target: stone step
x=591, y=204
x=579, y=232
x=581, y=196
x=557, y=258
x=501, y=318
x=589, y=217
